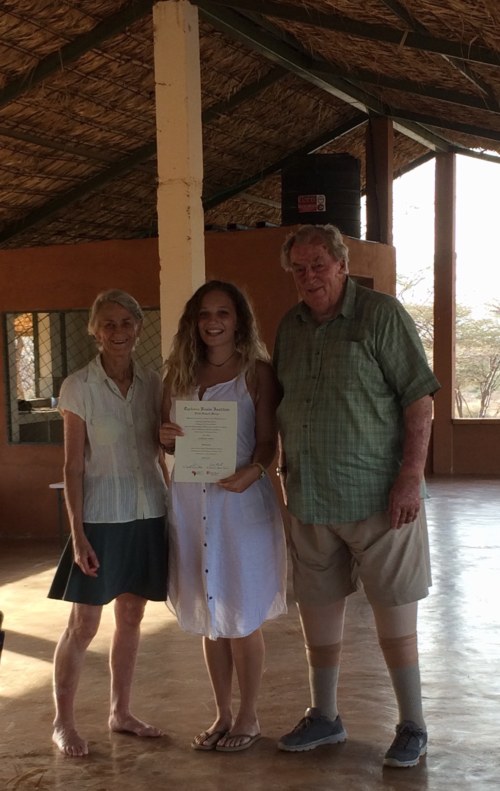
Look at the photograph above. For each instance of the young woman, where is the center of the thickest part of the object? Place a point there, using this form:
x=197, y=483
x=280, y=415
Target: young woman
x=228, y=557
x=115, y=491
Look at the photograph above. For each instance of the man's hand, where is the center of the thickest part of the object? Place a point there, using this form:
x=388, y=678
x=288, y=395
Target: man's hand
x=404, y=499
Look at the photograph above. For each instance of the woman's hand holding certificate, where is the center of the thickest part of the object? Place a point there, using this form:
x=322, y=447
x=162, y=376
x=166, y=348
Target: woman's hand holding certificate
x=168, y=435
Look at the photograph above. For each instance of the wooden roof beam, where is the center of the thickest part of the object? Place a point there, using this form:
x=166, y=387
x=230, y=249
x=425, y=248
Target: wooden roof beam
x=74, y=50
x=122, y=166
x=85, y=151
x=402, y=13
x=310, y=147
x=83, y=189
x=286, y=52
x=468, y=52
x=243, y=95
x=407, y=116
x=418, y=88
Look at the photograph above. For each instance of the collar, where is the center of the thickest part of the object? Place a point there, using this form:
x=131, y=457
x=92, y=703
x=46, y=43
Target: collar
x=96, y=372
x=348, y=303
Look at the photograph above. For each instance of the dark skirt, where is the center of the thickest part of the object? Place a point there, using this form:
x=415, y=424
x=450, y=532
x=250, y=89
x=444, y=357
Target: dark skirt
x=132, y=557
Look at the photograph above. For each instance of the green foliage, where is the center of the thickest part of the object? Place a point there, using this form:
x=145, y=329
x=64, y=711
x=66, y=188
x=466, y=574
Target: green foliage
x=477, y=368
x=477, y=353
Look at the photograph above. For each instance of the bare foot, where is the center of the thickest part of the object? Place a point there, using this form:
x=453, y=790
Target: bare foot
x=131, y=724
x=69, y=742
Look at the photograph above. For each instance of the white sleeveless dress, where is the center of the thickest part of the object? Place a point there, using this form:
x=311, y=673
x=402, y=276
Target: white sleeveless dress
x=227, y=556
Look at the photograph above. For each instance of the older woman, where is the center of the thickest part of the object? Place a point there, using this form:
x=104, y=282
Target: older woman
x=115, y=490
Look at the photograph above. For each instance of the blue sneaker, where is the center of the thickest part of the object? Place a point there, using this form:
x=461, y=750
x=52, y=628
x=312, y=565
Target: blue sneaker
x=409, y=744
x=313, y=730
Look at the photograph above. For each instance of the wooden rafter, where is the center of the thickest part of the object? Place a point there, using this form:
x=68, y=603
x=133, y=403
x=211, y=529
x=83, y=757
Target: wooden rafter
x=470, y=53
x=75, y=49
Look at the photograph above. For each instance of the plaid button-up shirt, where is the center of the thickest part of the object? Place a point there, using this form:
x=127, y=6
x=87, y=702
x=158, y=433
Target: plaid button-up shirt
x=346, y=385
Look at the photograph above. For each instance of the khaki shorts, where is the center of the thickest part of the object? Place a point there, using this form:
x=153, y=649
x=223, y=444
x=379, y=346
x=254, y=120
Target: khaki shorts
x=331, y=561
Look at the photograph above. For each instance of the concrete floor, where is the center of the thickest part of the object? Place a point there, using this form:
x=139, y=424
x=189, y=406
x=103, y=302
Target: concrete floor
x=460, y=663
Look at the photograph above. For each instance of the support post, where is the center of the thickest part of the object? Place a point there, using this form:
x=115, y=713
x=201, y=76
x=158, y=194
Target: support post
x=444, y=312
x=379, y=177
x=180, y=159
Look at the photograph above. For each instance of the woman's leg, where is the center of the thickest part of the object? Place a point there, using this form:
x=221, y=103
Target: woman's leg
x=219, y=662
x=248, y=655
x=69, y=656
x=129, y=611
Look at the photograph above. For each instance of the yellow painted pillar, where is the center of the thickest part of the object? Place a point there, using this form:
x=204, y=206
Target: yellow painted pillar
x=180, y=159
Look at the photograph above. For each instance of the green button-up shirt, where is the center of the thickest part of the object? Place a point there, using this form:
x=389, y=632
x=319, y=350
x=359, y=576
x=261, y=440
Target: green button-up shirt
x=346, y=384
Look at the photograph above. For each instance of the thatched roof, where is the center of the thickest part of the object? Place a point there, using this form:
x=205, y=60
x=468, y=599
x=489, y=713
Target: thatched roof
x=279, y=78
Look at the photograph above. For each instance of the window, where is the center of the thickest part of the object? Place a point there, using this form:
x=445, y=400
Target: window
x=43, y=347
x=477, y=361
x=414, y=242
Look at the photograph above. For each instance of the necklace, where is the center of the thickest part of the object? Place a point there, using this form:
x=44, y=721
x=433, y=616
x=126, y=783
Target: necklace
x=219, y=365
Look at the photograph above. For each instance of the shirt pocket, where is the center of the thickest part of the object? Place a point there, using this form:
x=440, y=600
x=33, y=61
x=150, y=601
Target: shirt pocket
x=350, y=365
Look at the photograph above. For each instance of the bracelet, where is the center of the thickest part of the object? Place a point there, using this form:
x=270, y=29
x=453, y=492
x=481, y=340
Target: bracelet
x=261, y=468
x=281, y=469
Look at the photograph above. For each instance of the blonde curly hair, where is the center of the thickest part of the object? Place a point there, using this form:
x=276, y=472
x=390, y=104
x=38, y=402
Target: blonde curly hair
x=188, y=350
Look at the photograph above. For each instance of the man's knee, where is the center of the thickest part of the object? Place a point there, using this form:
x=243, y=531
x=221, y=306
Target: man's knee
x=400, y=651
x=323, y=655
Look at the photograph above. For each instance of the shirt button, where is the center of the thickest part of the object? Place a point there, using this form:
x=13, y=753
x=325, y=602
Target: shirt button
x=206, y=571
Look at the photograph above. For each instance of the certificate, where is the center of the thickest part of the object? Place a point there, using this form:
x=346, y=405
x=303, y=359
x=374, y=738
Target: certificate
x=207, y=451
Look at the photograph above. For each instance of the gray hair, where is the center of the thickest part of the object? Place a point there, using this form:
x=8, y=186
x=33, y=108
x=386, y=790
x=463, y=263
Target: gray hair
x=327, y=235
x=113, y=295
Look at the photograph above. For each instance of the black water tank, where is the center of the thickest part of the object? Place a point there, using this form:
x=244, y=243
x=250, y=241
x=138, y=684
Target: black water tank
x=323, y=188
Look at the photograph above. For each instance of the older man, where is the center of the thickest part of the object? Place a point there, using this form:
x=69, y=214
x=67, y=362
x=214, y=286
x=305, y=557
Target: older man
x=355, y=421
